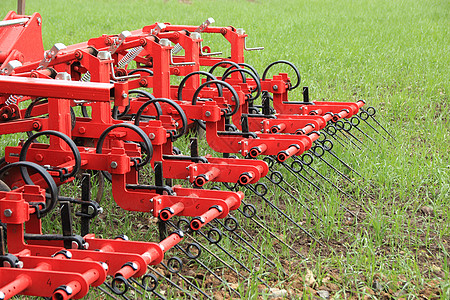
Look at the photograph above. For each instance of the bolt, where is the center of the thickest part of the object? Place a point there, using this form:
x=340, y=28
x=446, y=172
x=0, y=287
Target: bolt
x=114, y=164
x=90, y=210
x=7, y=212
x=104, y=265
x=151, y=200
x=82, y=130
x=39, y=157
x=36, y=125
x=124, y=95
x=78, y=55
x=195, y=36
x=275, y=87
x=240, y=31
x=164, y=42
x=208, y=113
x=69, y=290
x=19, y=265
x=151, y=135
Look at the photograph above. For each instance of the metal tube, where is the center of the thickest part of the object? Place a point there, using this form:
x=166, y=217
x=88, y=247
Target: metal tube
x=13, y=22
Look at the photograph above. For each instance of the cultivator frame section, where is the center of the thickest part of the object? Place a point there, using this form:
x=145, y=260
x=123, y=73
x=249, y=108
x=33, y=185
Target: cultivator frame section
x=122, y=128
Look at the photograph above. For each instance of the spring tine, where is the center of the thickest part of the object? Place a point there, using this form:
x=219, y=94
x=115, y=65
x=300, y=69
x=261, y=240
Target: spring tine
x=172, y=283
x=378, y=123
x=251, y=238
x=344, y=163
x=303, y=177
x=344, y=138
x=293, y=197
x=337, y=139
x=373, y=118
x=107, y=293
x=349, y=139
x=134, y=288
x=240, y=245
x=209, y=251
x=370, y=125
x=247, y=243
x=351, y=135
x=226, y=252
x=250, y=187
x=327, y=180
x=143, y=287
x=112, y=290
x=209, y=270
x=260, y=225
x=334, y=168
x=233, y=258
x=342, y=174
x=273, y=235
x=365, y=134
x=188, y=282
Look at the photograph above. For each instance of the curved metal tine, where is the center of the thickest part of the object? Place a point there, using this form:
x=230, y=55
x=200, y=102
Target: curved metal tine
x=339, y=172
x=209, y=270
x=328, y=180
x=362, y=131
x=338, y=139
x=349, y=135
x=188, y=282
x=287, y=167
x=344, y=137
x=370, y=125
x=293, y=197
x=242, y=229
x=209, y=251
x=143, y=287
x=332, y=167
x=107, y=293
x=342, y=191
x=280, y=212
x=260, y=225
x=172, y=283
x=233, y=258
x=112, y=290
x=378, y=123
x=344, y=163
x=260, y=255
x=273, y=235
x=136, y=289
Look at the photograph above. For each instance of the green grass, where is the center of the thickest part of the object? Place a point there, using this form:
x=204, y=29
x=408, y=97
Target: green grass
x=395, y=55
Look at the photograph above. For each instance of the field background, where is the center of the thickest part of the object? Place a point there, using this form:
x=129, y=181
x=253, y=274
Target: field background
x=394, y=54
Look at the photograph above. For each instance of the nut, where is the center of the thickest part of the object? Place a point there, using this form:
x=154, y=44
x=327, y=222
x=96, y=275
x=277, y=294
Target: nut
x=7, y=212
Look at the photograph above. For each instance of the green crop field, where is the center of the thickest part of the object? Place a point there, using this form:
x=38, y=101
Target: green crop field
x=393, y=54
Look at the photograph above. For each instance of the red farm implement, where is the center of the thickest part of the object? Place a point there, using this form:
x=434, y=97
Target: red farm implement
x=107, y=106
